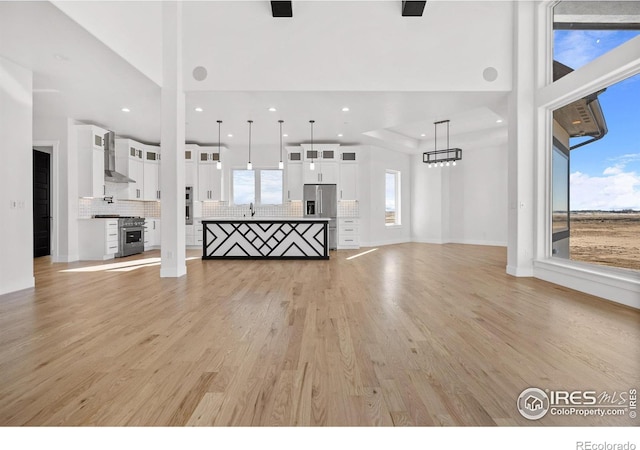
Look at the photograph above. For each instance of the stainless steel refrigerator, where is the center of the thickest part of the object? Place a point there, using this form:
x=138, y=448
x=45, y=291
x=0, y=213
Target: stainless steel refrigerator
x=321, y=200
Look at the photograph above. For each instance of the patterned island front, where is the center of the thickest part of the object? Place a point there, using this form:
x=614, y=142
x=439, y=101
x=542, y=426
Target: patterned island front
x=265, y=239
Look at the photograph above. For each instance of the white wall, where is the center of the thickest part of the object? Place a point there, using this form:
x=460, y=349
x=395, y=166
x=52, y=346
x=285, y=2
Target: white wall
x=374, y=161
x=16, y=202
x=65, y=215
x=467, y=203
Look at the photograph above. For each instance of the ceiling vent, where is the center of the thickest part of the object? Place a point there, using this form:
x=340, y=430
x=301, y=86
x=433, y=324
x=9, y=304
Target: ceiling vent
x=411, y=9
x=285, y=9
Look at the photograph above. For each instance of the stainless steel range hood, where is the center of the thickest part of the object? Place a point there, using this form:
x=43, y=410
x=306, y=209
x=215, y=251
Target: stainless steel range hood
x=110, y=173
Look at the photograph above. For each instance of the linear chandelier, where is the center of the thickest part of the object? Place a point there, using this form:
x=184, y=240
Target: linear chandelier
x=443, y=157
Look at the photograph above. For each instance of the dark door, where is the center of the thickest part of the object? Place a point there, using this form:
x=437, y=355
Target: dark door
x=41, y=204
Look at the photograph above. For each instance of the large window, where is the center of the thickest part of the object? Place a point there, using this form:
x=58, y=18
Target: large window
x=392, y=198
x=261, y=187
x=584, y=31
x=602, y=180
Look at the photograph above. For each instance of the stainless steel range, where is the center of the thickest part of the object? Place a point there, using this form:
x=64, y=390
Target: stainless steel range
x=130, y=236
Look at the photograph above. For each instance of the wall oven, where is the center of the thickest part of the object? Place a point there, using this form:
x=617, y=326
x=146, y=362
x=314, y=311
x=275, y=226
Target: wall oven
x=188, y=205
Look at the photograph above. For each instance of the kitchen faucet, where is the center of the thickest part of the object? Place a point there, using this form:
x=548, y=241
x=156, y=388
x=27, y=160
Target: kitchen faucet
x=253, y=211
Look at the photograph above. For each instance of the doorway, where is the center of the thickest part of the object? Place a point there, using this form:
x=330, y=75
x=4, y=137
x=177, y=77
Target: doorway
x=41, y=204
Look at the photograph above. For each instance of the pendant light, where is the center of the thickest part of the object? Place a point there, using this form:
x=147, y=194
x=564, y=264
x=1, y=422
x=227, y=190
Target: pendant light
x=219, y=163
x=249, y=165
x=312, y=166
x=280, y=164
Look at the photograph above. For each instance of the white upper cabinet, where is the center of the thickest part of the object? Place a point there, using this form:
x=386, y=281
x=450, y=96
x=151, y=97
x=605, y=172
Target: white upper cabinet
x=209, y=177
x=151, y=166
x=320, y=152
x=294, y=174
x=324, y=173
x=130, y=162
x=348, y=186
x=191, y=166
x=90, y=161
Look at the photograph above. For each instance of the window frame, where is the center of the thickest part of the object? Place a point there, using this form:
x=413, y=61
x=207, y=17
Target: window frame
x=257, y=187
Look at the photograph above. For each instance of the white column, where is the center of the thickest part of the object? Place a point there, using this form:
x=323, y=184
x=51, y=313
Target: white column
x=172, y=144
x=521, y=168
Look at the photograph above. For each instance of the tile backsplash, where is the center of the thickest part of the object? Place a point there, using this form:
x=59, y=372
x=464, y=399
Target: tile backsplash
x=223, y=209
x=89, y=207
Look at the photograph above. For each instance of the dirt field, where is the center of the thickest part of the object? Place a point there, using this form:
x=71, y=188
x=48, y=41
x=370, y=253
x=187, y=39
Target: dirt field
x=606, y=238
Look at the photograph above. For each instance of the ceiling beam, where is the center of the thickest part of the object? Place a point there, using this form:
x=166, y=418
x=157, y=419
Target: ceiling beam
x=413, y=9
x=281, y=9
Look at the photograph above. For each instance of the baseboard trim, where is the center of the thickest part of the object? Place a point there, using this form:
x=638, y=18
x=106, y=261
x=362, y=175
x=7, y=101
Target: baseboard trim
x=520, y=271
x=173, y=272
x=619, y=287
x=14, y=286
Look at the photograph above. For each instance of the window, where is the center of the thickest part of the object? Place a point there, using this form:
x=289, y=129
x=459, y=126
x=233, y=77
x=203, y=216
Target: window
x=584, y=31
x=261, y=187
x=596, y=178
x=392, y=198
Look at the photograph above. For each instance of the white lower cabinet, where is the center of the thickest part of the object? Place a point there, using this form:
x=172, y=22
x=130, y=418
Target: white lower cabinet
x=193, y=234
x=98, y=239
x=151, y=234
x=348, y=233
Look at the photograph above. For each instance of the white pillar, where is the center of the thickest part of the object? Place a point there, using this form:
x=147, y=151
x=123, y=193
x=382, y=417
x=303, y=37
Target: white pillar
x=521, y=168
x=172, y=144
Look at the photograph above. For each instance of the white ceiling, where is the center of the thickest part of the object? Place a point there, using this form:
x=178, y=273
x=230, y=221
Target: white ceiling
x=397, y=75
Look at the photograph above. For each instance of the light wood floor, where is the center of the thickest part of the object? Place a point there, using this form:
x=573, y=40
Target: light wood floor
x=410, y=334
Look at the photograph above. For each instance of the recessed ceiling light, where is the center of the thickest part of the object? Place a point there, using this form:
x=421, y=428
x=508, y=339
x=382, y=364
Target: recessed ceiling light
x=285, y=135
x=272, y=109
x=499, y=121
x=423, y=135
x=198, y=109
x=339, y=134
x=229, y=135
x=576, y=122
x=125, y=109
x=345, y=109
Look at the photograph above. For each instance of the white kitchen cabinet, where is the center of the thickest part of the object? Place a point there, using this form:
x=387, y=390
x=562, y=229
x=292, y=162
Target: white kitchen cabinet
x=324, y=173
x=152, y=234
x=191, y=167
x=348, y=233
x=193, y=234
x=97, y=239
x=321, y=152
x=209, y=177
x=348, y=186
x=294, y=181
x=130, y=162
x=151, y=184
x=90, y=161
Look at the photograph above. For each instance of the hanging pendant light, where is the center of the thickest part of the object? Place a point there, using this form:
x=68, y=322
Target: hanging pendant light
x=219, y=163
x=280, y=164
x=249, y=165
x=312, y=165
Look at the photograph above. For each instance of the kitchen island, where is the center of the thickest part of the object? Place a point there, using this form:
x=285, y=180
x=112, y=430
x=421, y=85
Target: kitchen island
x=265, y=238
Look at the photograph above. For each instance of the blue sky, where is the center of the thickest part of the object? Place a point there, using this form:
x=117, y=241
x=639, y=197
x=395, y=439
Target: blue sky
x=605, y=174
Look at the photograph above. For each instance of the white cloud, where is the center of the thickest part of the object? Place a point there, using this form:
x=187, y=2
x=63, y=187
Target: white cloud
x=615, y=170
x=614, y=191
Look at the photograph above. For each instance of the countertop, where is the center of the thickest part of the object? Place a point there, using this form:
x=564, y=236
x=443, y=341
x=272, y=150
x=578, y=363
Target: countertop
x=265, y=219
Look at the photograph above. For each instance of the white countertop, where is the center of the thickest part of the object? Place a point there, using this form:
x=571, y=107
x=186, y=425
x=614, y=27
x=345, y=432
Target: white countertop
x=266, y=219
